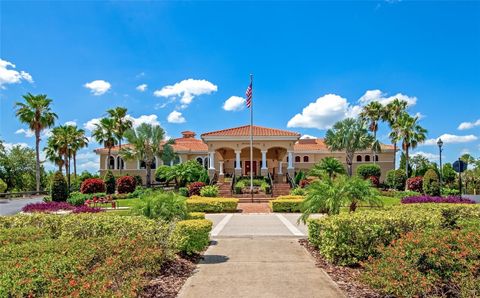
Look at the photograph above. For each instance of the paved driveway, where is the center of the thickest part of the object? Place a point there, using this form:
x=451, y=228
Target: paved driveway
x=9, y=207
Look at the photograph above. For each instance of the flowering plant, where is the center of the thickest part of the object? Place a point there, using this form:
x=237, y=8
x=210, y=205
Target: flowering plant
x=432, y=199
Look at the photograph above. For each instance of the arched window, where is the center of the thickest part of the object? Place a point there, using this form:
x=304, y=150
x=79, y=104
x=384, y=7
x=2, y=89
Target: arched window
x=154, y=163
x=111, y=163
x=367, y=157
x=120, y=163
x=206, y=162
x=359, y=158
x=376, y=157
x=305, y=159
x=297, y=158
x=200, y=160
x=142, y=165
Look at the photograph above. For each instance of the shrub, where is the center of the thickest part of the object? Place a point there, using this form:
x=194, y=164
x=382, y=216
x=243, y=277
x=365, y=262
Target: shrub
x=92, y=185
x=450, y=191
x=291, y=197
x=191, y=236
x=47, y=207
x=194, y=188
x=196, y=215
x=183, y=191
x=3, y=186
x=348, y=239
x=297, y=191
x=78, y=199
x=435, y=263
x=304, y=183
x=432, y=199
x=79, y=255
x=396, y=179
x=126, y=184
x=109, y=180
x=166, y=206
x=87, y=209
x=374, y=180
x=431, y=184
x=415, y=184
x=286, y=205
x=138, y=180
x=59, y=188
x=299, y=177
x=209, y=191
x=368, y=170
x=140, y=191
x=211, y=205
x=239, y=186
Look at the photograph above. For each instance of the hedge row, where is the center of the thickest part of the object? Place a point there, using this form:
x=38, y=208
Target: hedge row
x=211, y=205
x=191, y=236
x=289, y=203
x=350, y=238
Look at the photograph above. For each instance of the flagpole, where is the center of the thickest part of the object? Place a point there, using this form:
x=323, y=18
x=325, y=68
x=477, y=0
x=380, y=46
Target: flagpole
x=251, y=140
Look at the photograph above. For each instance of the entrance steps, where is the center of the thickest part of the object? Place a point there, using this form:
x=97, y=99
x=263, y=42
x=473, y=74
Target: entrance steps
x=281, y=189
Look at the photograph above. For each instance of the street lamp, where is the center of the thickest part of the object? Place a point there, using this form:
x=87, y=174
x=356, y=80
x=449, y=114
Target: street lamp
x=440, y=145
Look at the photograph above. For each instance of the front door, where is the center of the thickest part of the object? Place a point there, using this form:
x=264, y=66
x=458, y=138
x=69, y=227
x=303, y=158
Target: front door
x=250, y=166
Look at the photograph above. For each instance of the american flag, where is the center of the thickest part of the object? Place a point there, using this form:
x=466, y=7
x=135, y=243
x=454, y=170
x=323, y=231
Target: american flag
x=248, y=94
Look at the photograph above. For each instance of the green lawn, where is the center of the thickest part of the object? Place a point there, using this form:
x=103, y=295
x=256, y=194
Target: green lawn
x=121, y=203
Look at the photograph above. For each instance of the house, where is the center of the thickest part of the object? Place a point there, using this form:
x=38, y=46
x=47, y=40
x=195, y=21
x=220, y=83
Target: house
x=226, y=152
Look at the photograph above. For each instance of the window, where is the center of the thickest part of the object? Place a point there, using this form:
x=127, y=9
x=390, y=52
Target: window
x=141, y=165
x=111, y=162
x=206, y=161
x=154, y=164
x=120, y=163
x=376, y=157
x=359, y=158
x=200, y=160
x=297, y=158
x=367, y=157
x=305, y=159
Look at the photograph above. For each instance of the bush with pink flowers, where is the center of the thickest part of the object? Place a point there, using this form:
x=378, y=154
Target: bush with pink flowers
x=432, y=199
x=126, y=184
x=92, y=185
x=194, y=188
x=415, y=184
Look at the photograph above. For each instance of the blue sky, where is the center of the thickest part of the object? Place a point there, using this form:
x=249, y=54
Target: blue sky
x=313, y=63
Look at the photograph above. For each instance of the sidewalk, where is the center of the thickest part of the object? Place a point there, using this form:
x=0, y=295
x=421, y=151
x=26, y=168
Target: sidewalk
x=258, y=255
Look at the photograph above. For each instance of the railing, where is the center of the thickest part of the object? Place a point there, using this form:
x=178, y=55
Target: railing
x=214, y=179
x=8, y=195
x=291, y=181
x=232, y=185
x=270, y=182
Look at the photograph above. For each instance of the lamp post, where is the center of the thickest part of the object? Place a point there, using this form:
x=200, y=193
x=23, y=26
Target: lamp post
x=440, y=145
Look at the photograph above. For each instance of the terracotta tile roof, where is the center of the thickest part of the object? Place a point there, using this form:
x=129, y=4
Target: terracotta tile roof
x=245, y=131
x=319, y=144
x=181, y=144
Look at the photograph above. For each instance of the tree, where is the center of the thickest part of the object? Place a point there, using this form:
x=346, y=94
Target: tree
x=410, y=133
x=349, y=135
x=144, y=145
x=391, y=113
x=17, y=169
x=373, y=113
x=52, y=153
x=79, y=141
x=330, y=195
x=104, y=133
x=62, y=138
x=121, y=124
x=448, y=174
x=329, y=165
x=420, y=164
x=37, y=114
x=468, y=159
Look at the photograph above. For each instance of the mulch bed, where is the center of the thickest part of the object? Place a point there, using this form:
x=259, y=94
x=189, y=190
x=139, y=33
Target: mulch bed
x=346, y=278
x=171, y=278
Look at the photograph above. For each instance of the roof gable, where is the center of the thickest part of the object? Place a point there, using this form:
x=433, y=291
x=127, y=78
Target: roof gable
x=243, y=131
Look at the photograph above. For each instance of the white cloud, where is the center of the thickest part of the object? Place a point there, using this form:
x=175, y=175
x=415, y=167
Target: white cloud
x=451, y=139
x=71, y=123
x=307, y=137
x=468, y=125
x=86, y=155
x=9, y=146
x=324, y=112
x=142, y=87
x=378, y=95
x=176, y=117
x=98, y=87
x=429, y=156
x=149, y=119
x=419, y=115
x=91, y=166
x=90, y=124
x=11, y=76
x=186, y=90
x=27, y=132
x=234, y=103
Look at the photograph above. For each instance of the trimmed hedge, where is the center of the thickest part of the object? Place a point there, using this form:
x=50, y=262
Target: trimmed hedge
x=368, y=170
x=196, y=215
x=211, y=205
x=431, y=183
x=286, y=205
x=349, y=238
x=191, y=236
x=59, y=188
x=290, y=197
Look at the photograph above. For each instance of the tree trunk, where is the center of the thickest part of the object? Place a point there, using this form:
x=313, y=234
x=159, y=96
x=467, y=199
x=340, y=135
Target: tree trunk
x=75, y=165
x=120, y=149
x=373, y=148
x=68, y=175
x=349, y=164
x=394, y=155
x=406, y=165
x=37, y=161
x=148, y=166
x=353, y=206
x=108, y=159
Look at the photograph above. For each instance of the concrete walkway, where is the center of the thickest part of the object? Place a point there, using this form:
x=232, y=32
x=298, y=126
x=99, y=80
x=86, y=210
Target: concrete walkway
x=258, y=255
x=13, y=206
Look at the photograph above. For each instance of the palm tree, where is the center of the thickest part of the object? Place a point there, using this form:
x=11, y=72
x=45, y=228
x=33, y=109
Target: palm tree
x=144, y=145
x=122, y=124
x=373, y=113
x=37, y=114
x=62, y=137
x=52, y=153
x=79, y=141
x=410, y=133
x=391, y=113
x=328, y=165
x=349, y=135
x=104, y=133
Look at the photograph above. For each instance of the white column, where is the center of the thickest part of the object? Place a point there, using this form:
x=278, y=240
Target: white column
x=280, y=165
x=290, y=160
x=221, y=167
x=264, y=160
x=212, y=160
x=238, y=166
